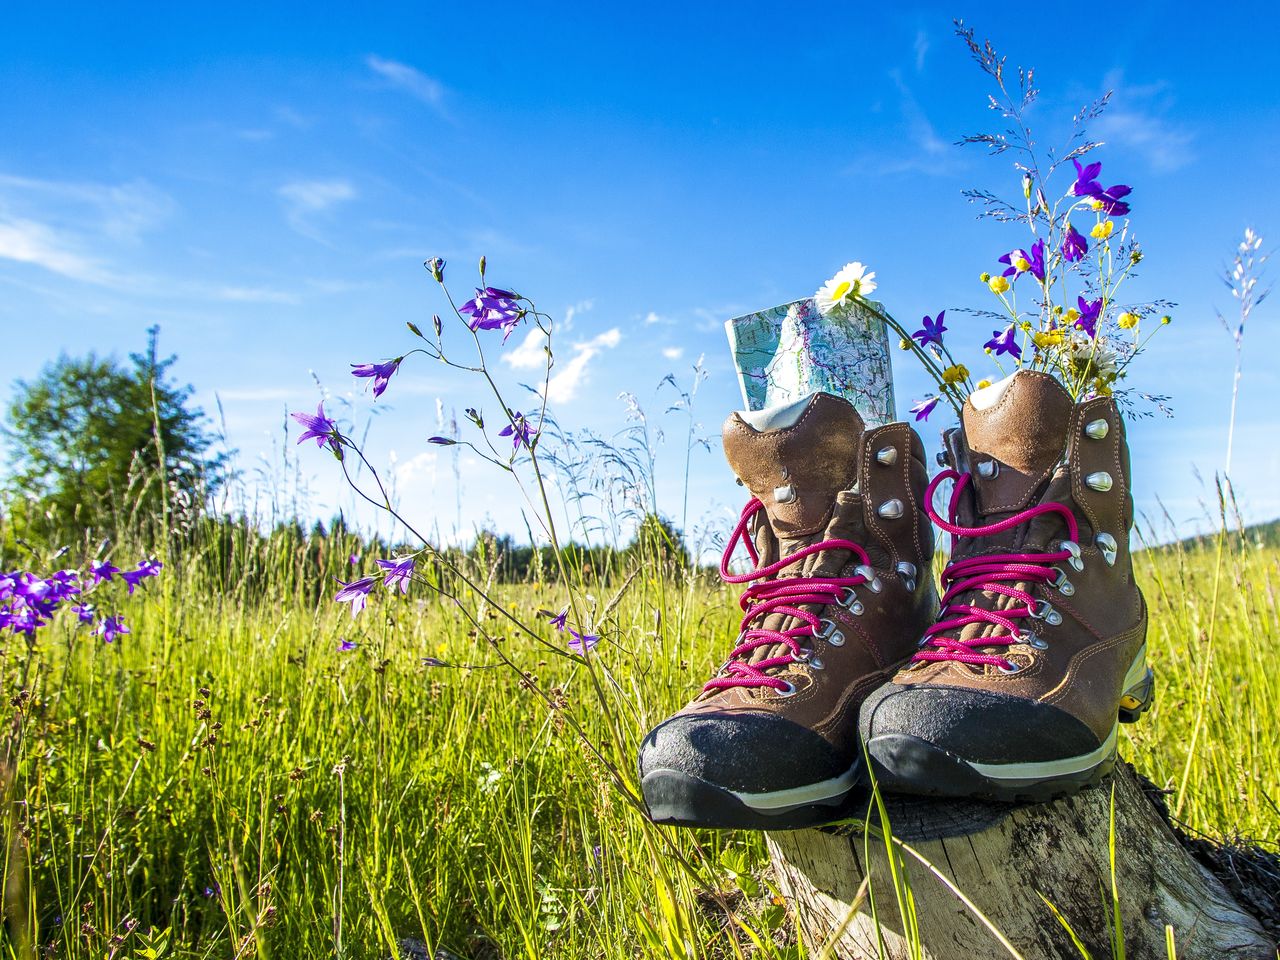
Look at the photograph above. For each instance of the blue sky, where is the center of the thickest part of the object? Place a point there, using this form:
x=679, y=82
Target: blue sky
x=265, y=181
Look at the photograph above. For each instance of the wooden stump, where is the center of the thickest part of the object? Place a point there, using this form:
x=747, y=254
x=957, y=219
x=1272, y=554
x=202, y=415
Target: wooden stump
x=1004, y=858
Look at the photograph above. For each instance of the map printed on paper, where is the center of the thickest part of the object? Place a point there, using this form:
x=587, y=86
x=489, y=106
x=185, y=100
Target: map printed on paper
x=789, y=351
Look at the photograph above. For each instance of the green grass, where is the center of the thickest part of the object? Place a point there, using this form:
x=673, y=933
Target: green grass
x=227, y=774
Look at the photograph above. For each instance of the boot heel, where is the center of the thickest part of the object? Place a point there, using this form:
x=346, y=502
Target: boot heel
x=1137, y=699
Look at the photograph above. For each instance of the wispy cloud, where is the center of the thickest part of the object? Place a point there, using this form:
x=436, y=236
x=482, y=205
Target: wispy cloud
x=921, y=49
x=563, y=387
x=1136, y=120
x=528, y=354
x=256, y=295
x=919, y=150
x=27, y=241
x=673, y=353
x=409, y=79
x=117, y=211
x=305, y=199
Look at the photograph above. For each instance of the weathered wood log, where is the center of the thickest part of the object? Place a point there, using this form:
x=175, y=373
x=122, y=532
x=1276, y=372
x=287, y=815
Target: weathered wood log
x=1004, y=859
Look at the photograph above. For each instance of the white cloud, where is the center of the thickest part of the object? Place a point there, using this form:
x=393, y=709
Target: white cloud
x=582, y=306
x=306, y=198
x=652, y=318
x=563, y=387
x=256, y=295
x=420, y=466
x=673, y=353
x=35, y=243
x=1135, y=119
x=921, y=48
x=529, y=355
x=412, y=81
x=118, y=211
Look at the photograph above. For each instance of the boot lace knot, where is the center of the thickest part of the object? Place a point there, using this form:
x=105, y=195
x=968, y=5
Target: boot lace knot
x=997, y=573
x=789, y=597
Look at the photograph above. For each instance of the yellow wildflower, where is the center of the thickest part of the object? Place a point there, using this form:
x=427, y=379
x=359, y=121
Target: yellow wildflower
x=984, y=383
x=1102, y=230
x=955, y=374
x=998, y=284
x=1072, y=315
x=1127, y=320
x=1047, y=338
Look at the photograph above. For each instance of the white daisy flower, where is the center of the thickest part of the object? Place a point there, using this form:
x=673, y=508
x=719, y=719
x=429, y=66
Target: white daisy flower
x=853, y=280
x=1105, y=360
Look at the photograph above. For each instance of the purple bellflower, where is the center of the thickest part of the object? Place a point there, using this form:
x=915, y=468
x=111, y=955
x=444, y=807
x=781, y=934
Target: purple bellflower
x=102, y=571
x=924, y=408
x=398, y=571
x=1086, y=179
x=347, y=645
x=1089, y=313
x=931, y=330
x=519, y=430
x=1075, y=246
x=493, y=308
x=381, y=373
x=355, y=593
x=147, y=568
x=110, y=628
x=318, y=427
x=582, y=642
x=1033, y=260
x=1005, y=342
x=1110, y=198
x=557, y=620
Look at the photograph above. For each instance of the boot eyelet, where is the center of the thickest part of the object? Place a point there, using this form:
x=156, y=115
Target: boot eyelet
x=1035, y=641
x=1062, y=584
x=849, y=600
x=802, y=657
x=1044, y=611
x=828, y=631
x=788, y=691
x=869, y=575
x=815, y=663
x=1106, y=543
x=1073, y=548
x=1013, y=667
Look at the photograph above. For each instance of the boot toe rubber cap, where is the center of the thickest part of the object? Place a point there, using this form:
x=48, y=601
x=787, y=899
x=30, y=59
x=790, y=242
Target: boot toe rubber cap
x=976, y=726
x=740, y=751
x=744, y=770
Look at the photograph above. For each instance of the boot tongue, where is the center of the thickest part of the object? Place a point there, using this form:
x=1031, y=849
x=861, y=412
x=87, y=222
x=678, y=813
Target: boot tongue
x=1016, y=433
x=795, y=459
x=1014, y=438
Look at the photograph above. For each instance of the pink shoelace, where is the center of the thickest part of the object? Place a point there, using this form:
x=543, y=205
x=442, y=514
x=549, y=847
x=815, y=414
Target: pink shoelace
x=992, y=573
x=778, y=596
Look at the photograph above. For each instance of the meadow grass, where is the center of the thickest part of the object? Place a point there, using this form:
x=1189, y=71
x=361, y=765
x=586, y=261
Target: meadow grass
x=226, y=782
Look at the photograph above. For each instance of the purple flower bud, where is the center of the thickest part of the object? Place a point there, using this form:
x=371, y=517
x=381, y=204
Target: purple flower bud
x=441, y=441
x=436, y=266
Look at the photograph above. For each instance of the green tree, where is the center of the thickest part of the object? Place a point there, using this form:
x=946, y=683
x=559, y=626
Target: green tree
x=88, y=436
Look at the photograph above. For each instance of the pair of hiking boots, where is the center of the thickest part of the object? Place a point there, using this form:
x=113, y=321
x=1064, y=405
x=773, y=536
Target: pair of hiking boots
x=1009, y=686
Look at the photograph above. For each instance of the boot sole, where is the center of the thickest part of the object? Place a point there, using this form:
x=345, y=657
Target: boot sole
x=680, y=799
x=907, y=764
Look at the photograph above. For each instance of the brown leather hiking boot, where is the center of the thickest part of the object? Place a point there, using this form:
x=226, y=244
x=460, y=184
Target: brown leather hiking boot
x=1040, y=647
x=840, y=593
